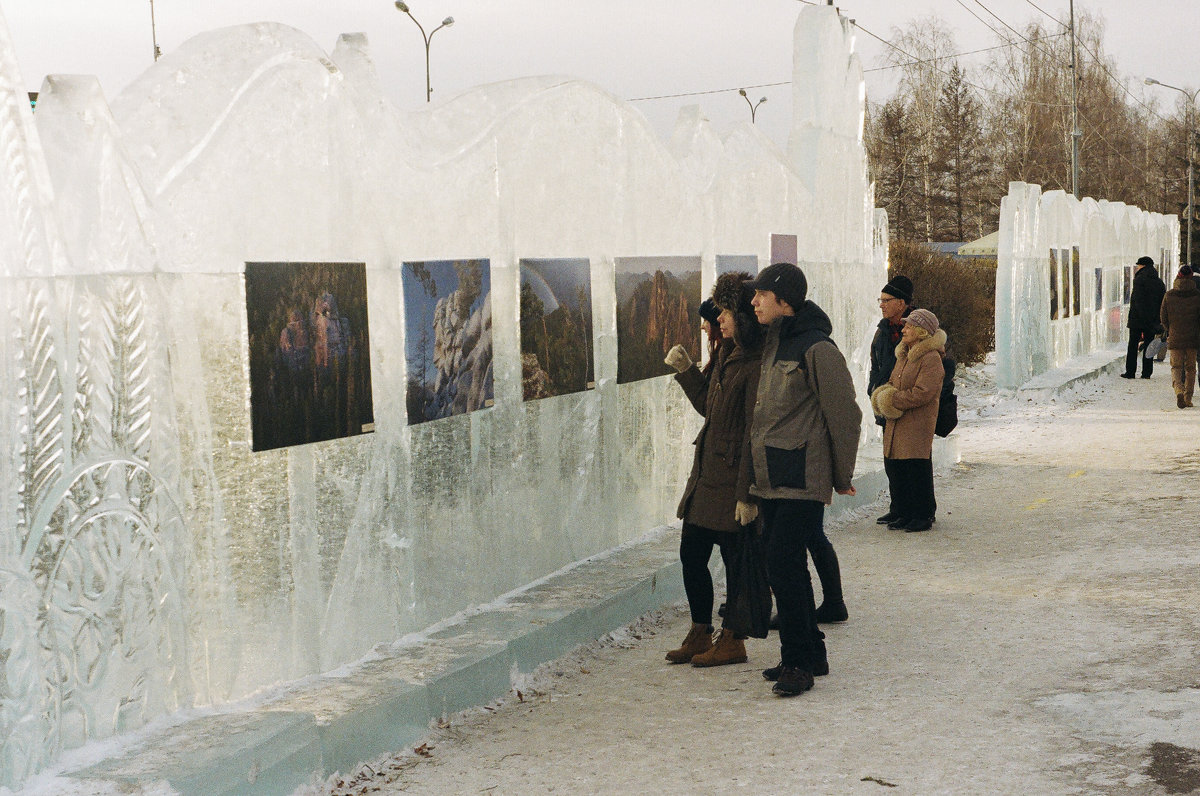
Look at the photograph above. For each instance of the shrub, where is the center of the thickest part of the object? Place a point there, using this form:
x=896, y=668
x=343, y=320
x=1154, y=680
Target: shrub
x=961, y=293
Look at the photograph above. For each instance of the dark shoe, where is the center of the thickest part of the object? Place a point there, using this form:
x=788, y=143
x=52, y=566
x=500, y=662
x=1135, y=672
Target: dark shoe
x=1127, y=375
x=831, y=612
x=1180, y=401
x=919, y=524
x=819, y=669
x=891, y=516
x=898, y=523
x=1145, y=376
x=792, y=681
x=721, y=610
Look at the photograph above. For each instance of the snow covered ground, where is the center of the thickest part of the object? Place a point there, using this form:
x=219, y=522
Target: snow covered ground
x=1041, y=639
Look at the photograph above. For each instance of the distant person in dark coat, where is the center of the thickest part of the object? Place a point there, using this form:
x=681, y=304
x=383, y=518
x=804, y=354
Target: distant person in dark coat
x=1145, y=302
x=1180, y=313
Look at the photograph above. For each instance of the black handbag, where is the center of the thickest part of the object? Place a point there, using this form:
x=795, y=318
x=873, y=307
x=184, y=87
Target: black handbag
x=748, y=608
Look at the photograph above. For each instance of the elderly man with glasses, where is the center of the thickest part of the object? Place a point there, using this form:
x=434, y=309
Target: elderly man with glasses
x=895, y=303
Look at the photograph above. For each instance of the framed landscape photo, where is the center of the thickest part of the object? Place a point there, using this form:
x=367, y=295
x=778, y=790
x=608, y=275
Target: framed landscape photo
x=310, y=367
x=658, y=306
x=448, y=338
x=557, y=355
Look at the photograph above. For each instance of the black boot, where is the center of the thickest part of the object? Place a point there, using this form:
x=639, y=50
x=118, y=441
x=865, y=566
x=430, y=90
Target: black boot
x=830, y=612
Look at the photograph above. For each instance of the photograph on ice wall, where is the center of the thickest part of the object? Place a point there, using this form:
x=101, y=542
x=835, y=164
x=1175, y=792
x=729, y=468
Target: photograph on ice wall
x=310, y=368
x=658, y=306
x=784, y=249
x=448, y=338
x=556, y=327
x=735, y=263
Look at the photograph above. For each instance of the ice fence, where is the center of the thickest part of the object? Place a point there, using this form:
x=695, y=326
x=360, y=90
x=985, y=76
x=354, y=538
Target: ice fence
x=1064, y=272
x=150, y=560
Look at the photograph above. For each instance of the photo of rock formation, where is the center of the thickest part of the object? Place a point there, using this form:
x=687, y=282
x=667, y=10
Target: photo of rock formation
x=556, y=327
x=658, y=304
x=448, y=338
x=310, y=367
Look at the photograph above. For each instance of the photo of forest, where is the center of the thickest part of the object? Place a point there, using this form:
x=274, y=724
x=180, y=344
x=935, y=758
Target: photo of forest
x=556, y=327
x=310, y=366
x=735, y=263
x=448, y=338
x=658, y=306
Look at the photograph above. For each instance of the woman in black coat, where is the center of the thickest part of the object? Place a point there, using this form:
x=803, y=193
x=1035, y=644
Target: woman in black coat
x=716, y=503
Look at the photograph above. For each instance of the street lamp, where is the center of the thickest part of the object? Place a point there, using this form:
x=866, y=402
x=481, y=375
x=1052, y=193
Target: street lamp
x=753, y=105
x=1188, y=123
x=447, y=22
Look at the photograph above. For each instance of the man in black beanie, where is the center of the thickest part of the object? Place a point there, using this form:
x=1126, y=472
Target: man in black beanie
x=803, y=443
x=895, y=303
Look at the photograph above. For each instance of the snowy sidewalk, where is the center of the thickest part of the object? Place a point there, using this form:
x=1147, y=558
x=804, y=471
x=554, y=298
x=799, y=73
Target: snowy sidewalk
x=1041, y=639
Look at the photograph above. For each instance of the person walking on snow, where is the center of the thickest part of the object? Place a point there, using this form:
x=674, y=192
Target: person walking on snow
x=803, y=442
x=716, y=504
x=1180, y=313
x=1145, y=302
x=909, y=401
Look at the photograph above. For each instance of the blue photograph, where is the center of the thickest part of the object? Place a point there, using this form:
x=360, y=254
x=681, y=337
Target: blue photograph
x=448, y=338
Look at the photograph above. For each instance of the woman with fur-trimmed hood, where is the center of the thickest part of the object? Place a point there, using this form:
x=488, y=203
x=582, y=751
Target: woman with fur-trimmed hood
x=716, y=503
x=909, y=403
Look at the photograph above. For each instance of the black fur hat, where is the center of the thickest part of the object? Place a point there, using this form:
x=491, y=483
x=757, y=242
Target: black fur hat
x=732, y=292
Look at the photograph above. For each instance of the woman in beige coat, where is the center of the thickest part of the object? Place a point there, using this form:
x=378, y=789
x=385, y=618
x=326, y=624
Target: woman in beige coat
x=909, y=403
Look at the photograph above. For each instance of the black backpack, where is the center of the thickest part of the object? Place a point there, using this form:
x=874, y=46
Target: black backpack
x=947, y=417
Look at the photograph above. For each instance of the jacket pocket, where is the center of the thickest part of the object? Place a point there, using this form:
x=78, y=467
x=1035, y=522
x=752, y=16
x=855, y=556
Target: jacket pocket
x=785, y=467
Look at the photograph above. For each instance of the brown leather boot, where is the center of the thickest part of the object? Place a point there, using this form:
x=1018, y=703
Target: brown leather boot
x=727, y=650
x=698, y=640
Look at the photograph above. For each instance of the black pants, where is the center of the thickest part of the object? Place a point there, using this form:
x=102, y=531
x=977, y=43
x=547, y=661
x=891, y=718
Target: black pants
x=910, y=482
x=1138, y=340
x=695, y=549
x=790, y=527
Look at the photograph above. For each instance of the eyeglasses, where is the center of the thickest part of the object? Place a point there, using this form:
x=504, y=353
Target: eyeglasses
x=890, y=298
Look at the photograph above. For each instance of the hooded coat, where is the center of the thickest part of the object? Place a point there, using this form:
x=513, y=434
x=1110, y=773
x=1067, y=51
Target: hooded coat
x=1180, y=313
x=910, y=398
x=721, y=472
x=804, y=438
x=721, y=465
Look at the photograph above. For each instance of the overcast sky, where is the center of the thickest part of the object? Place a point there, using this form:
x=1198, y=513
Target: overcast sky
x=632, y=48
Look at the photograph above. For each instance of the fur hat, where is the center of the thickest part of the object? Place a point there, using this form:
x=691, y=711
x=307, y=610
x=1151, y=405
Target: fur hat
x=1144, y=260
x=899, y=286
x=733, y=292
x=786, y=281
x=923, y=319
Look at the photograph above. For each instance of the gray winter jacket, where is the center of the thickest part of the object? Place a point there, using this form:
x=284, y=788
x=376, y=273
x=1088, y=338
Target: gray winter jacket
x=804, y=438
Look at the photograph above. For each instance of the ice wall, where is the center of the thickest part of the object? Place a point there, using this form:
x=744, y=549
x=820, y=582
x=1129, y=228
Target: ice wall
x=1063, y=269
x=149, y=560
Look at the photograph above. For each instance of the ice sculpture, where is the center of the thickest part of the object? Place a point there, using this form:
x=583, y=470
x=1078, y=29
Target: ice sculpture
x=149, y=559
x=1061, y=266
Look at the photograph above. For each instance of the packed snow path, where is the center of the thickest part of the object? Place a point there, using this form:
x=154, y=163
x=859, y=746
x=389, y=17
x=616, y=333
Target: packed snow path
x=1041, y=639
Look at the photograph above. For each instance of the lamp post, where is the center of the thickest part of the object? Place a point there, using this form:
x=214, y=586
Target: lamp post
x=154, y=32
x=753, y=105
x=447, y=22
x=1191, y=97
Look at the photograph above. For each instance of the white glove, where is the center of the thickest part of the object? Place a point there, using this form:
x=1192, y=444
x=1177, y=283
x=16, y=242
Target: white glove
x=678, y=358
x=745, y=513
